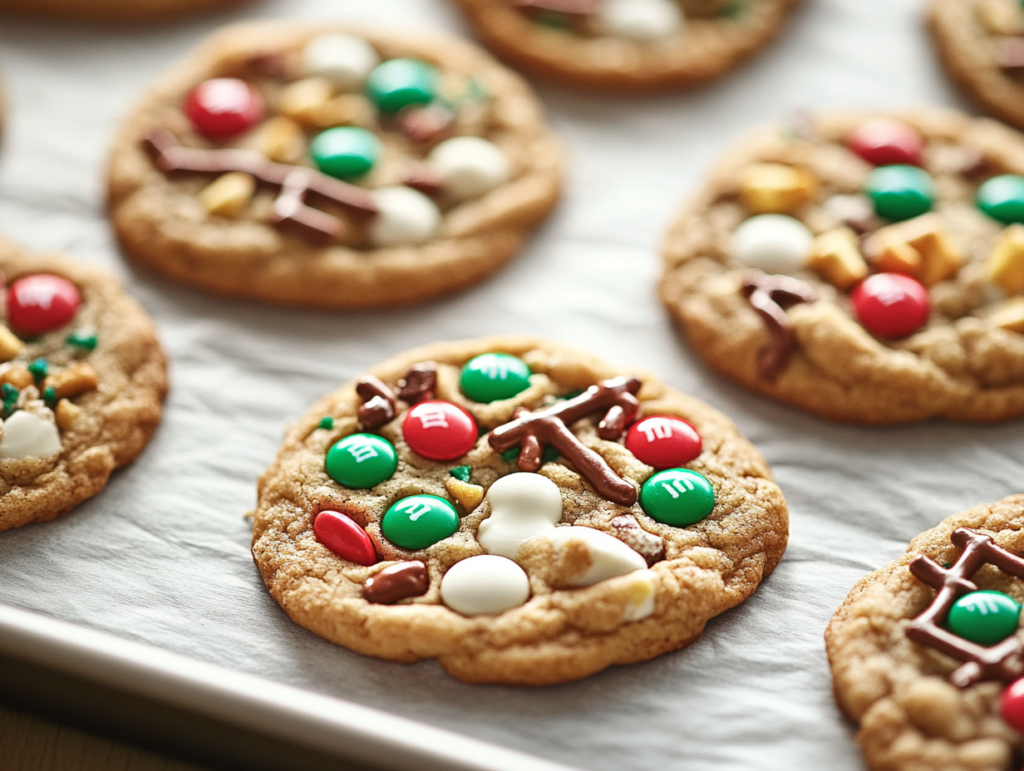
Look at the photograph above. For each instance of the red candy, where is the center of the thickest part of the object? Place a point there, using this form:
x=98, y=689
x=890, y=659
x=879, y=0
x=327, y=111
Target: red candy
x=344, y=537
x=891, y=304
x=885, y=142
x=663, y=441
x=1011, y=704
x=224, y=107
x=439, y=430
x=41, y=303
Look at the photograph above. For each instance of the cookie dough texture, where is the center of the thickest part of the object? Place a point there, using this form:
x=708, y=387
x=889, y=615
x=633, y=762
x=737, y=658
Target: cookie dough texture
x=117, y=419
x=162, y=225
x=910, y=716
x=558, y=634
x=114, y=10
x=704, y=49
x=959, y=366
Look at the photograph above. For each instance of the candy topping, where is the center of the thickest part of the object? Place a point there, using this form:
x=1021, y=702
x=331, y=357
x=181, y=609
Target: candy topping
x=83, y=339
x=641, y=20
x=40, y=303
x=984, y=617
x=399, y=83
x=491, y=377
x=419, y=521
x=468, y=167
x=439, y=430
x=224, y=107
x=379, y=403
x=885, y=142
x=770, y=296
x=522, y=506
x=361, y=461
x=26, y=435
x=345, y=152
x=343, y=59
x=775, y=243
x=608, y=556
x=663, y=441
x=891, y=305
x=677, y=497
x=1002, y=198
x=404, y=217
x=484, y=584
x=1011, y=705
x=397, y=582
x=344, y=537
x=900, y=192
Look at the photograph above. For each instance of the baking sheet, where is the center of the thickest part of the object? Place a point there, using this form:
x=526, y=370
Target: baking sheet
x=161, y=556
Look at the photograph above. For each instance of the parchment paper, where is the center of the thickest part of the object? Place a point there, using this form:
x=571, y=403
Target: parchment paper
x=162, y=555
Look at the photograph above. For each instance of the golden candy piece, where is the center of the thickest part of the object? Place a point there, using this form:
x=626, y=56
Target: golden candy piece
x=776, y=188
x=1005, y=265
x=344, y=110
x=836, y=256
x=67, y=414
x=1010, y=315
x=1001, y=17
x=301, y=99
x=281, y=139
x=17, y=375
x=75, y=380
x=918, y=247
x=468, y=495
x=228, y=195
x=10, y=344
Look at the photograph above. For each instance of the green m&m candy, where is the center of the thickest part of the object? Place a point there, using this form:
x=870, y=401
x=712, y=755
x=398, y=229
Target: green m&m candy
x=900, y=192
x=494, y=376
x=984, y=617
x=398, y=83
x=1002, y=198
x=419, y=521
x=677, y=497
x=345, y=152
x=361, y=461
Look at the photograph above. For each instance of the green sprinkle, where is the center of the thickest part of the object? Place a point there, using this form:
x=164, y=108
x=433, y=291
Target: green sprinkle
x=39, y=369
x=461, y=473
x=50, y=396
x=8, y=392
x=510, y=455
x=551, y=455
x=733, y=10
x=552, y=19
x=86, y=340
x=326, y=422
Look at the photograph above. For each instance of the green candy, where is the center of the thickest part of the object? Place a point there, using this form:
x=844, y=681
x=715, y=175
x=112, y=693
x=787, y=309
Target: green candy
x=1002, y=198
x=345, y=152
x=984, y=617
x=677, y=497
x=85, y=340
x=491, y=377
x=326, y=422
x=462, y=473
x=50, y=396
x=398, y=83
x=419, y=521
x=361, y=461
x=39, y=369
x=900, y=192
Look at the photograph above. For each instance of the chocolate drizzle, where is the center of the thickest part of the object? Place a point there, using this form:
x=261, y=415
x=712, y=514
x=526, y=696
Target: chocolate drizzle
x=770, y=296
x=534, y=432
x=378, y=402
x=1003, y=661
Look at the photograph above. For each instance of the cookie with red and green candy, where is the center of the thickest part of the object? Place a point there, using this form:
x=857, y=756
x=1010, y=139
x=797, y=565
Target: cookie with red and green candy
x=864, y=267
x=518, y=510
x=627, y=45
x=82, y=382
x=332, y=167
x=927, y=654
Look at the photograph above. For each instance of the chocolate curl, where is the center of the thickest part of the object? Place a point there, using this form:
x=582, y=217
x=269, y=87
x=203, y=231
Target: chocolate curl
x=533, y=432
x=290, y=208
x=769, y=296
x=419, y=384
x=1002, y=662
x=574, y=7
x=379, y=402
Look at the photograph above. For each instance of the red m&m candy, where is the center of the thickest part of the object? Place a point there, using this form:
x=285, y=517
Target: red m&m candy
x=891, y=304
x=344, y=537
x=1011, y=704
x=663, y=441
x=439, y=430
x=885, y=142
x=41, y=303
x=224, y=107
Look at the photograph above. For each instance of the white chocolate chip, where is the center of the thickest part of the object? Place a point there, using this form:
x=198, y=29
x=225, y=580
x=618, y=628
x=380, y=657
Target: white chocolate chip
x=469, y=166
x=775, y=243
x=484, y=584
x=609, y=557
x=522, y=506
x=27, y=435
x=343, y=59
x=641, y=20
x=404, y=217
x=641, y=596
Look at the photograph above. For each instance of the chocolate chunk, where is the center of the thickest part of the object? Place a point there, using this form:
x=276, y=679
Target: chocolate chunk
x=397, y=582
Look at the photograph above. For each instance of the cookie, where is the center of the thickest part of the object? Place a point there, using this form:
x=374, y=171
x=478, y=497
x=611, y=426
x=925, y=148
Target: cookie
x=325, y=167
x=115, y=10
x=516, y=509
x=867, y=268
x=981, y=45
x=927, y=653
x=627, y=45
x=82, y=381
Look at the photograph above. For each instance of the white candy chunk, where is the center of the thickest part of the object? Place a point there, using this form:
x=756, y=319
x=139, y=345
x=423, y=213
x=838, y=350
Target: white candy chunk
x=342, y=59
x=641, y=597
x=609, y=556
x=774, y=243
x=27, y=435
x=469, y=166
x=642, y=20
x=522, y=506
x=405, y=216
x=484, y=584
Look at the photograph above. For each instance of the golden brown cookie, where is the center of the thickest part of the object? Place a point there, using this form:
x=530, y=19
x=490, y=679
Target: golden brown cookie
x=866, y=268
x=926, y=653
x=82, y=381
x=327, y=167
x=114, y=10
x=516, y=509
x=627, y=45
